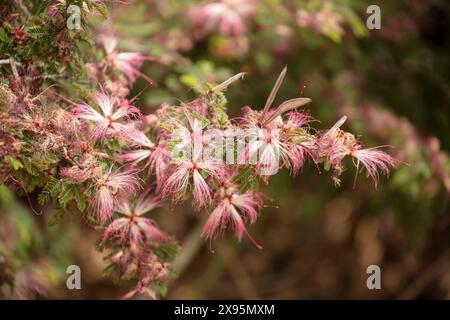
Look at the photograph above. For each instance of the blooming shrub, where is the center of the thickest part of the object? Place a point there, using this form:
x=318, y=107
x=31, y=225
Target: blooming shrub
x=70, y=131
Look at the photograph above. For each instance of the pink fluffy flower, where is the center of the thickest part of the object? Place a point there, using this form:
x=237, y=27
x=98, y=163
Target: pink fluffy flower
x=178, y=182
x=132, y=226
x=274, y=142
x=128, y=63
x=336, y=144
x=192, y=166
x=301, y=143
x=156, y=155
x=265, y=148
x=228, y=16
x=234, y=209
x=84, y=168
x=146, y=146
x=150, y=269
x=374, y=160
x=110, y=189
x=160, y=163
x=109, y=120
x=271, y=147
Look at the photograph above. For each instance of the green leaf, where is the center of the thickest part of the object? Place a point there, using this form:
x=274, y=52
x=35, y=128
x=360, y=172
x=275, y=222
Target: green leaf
x=114, y=145
x=66, y=195
x=50, y=189
x=244, y=179
x=189, y=80
x=161, y=288
x=112, y=271
x=358, y=27
x=80, y=200
x=167, y=251
x=4, y=36
x=101, y=9
x=30, y=170
x=16, y=164
x=204, y=121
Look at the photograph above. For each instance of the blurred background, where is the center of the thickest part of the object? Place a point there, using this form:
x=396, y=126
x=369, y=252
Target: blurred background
x=392, y=83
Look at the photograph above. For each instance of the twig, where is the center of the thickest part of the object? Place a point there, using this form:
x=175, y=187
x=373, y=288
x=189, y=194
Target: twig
x=191, y=248
x=14, y=68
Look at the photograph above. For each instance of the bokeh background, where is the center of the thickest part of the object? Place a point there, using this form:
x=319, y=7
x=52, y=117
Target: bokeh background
x=392, y=83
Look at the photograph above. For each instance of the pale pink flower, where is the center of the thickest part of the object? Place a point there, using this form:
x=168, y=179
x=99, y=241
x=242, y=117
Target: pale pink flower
x=265, y=148
x=151, y=270
x=178, y=182
x=301, y=143
x=140, y=139
x=111, y=189
x=234, y=209
x=300, y=151
x=128, y=63
x=336, y=144
x=125, y=259
x=32, y=281
x=297, y=120
x=84, y=169
x=109, y=120
x=229, y=17
x=160, y=163
x=271, y=140
x=132, y=226
x=156, y=155
x=192, y=167
x=327, y=20
x=373, y=160
x=66, y=122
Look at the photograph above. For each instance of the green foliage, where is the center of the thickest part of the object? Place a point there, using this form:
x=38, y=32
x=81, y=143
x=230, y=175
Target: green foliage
x=16, y=164
x=246, y=179
x=161, y=288
x=71, y=192
x=198, y=75
x=4, y=38
x=52, y=186
x=166, y=251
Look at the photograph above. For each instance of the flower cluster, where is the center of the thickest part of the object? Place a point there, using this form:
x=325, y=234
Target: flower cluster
x=99, y=155
x=108, y=150
x=236, y=22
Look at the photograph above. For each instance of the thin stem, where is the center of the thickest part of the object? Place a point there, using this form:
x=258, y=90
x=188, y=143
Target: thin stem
x=191, y=247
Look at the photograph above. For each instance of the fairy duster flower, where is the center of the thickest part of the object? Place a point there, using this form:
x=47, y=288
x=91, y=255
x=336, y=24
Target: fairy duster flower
x=128, y=63
x=110, y=118
x=228, y=16
x=132, y=226
x=192, y=166
x=234, y=209
x=110, y=189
